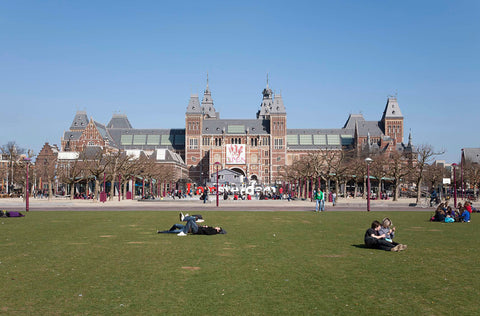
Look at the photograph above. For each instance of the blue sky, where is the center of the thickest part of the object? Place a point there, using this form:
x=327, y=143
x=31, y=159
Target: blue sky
x=327, y=58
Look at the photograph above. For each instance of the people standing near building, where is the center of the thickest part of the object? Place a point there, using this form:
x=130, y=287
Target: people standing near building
x=322, y=201
x=319, y=200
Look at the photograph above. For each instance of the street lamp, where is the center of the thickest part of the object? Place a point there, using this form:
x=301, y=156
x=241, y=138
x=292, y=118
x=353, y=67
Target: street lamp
x=27, y=194
x=216, y=191
x=454, y=165
x=368, y=161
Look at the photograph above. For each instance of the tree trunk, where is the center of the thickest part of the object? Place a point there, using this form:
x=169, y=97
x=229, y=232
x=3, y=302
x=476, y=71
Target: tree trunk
x=396, y=188
x=379, y=188
x=364, y=196
x=419, y=190
x=112, y=186
x=97, y=190
x=50, y=191
x=355, y=190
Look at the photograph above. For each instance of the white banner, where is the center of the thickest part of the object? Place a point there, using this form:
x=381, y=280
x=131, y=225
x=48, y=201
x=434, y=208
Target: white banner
x=235, y=154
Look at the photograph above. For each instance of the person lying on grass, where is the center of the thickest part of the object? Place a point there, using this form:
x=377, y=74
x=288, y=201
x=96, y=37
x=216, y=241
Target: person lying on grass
x=373, y=239
x=192, y=227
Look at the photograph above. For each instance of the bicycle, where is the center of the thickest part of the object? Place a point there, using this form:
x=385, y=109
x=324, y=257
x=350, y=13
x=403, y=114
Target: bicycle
x=425, y=202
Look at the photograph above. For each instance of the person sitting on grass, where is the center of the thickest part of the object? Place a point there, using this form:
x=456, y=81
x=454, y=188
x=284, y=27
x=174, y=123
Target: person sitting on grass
x=465, y=217
x=469, y=207
x=374, y=240
x=439, y=214
x=387, y=230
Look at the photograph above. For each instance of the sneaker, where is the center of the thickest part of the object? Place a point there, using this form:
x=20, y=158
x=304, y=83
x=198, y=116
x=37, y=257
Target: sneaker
x=181, y=234
x=396, y=248
x=181, y=216
x=403, y=247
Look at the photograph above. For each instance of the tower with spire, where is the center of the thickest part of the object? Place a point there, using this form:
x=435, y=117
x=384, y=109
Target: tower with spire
x=208, y=109
x=272, y=111
x=392, y=120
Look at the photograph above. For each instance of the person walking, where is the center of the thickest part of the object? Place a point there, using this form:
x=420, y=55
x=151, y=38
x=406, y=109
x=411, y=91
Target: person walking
x=318, y=196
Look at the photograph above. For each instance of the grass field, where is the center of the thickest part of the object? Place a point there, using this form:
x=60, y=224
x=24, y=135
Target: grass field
x=285, y=263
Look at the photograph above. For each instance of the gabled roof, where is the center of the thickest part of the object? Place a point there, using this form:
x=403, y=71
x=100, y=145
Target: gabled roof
x=104, y=133
x=369, y=127
x=352, y=118
x=119, y=121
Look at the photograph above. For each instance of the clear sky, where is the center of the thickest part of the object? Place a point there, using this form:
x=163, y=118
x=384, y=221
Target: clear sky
x=327, y=58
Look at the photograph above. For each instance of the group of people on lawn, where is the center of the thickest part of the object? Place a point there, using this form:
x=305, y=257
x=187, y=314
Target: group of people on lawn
x=447, y=214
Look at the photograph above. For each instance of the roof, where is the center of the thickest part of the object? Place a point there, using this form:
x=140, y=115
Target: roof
x=369, y=127
x=193, y=106
x=102, y=129
x=236, y=126
x=472, y=154
x=148, y=138
x=68, y=155
x=119, y=121
x=352, y=118
x=80, y=121
x=72, y=135
x=392, y=110
x=305, y=139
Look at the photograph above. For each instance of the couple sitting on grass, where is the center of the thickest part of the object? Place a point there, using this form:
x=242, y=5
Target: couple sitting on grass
x=192, y=227
x=379, y=236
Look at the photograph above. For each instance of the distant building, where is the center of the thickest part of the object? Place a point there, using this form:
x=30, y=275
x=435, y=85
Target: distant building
x=256, y=149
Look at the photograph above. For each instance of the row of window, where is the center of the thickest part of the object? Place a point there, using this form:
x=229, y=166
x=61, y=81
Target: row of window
x=254, y=141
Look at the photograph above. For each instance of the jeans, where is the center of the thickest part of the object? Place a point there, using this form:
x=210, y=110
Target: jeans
x=191, y=225
x=317, y=205
x=322, y=205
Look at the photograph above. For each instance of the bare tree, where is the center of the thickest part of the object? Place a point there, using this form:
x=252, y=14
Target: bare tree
x=379, y=169
x=46, y=167
x=71, y=172
x=95, y=165
x=472, y=174
x=115, y=162
x=425, y=155
x=398, y=168
x=12, y=152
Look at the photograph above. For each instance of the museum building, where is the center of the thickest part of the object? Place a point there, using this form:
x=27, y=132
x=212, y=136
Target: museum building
x=257, y=149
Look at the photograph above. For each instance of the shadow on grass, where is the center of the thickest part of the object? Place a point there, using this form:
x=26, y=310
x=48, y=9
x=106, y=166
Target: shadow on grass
x=360, y=246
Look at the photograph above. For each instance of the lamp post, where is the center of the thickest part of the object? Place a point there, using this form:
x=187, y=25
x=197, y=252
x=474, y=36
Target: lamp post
x=216, y=191
x=368, y=161
x=27, y=194
x=454, y=165
x=461, y=178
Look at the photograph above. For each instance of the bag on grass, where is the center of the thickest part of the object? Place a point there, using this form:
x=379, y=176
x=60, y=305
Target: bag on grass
x=14, y=214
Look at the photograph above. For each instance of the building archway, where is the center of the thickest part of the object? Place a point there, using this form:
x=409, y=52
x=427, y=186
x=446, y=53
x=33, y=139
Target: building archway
x=254, y=177
x=239, y=170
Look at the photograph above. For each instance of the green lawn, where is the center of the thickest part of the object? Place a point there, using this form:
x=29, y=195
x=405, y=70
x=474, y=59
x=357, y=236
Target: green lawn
x=285, y=263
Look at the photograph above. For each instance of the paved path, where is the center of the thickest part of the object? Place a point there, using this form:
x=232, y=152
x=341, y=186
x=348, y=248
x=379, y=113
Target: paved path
x=60, y=204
